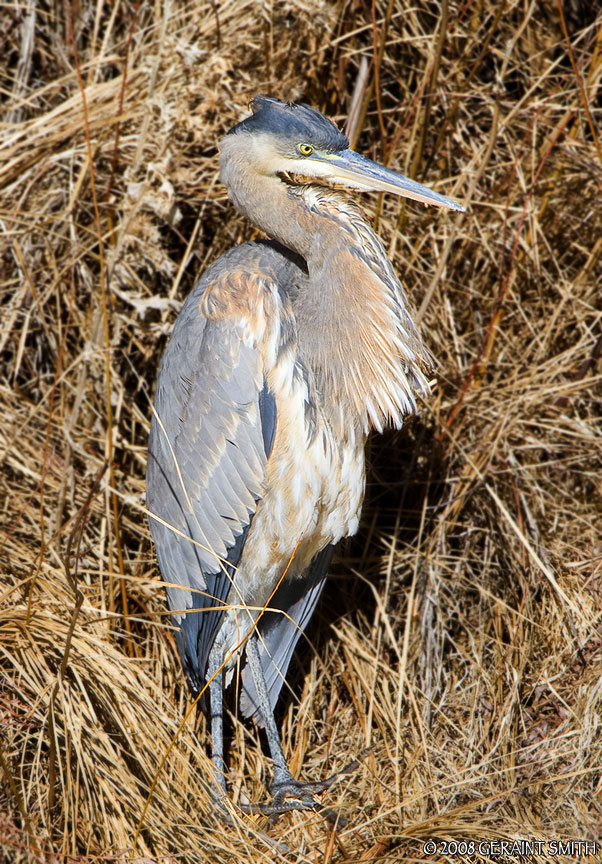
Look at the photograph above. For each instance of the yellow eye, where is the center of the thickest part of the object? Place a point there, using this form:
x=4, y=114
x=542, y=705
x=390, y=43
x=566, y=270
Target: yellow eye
x=306, y=149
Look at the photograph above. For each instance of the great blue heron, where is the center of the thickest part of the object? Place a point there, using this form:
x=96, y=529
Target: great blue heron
x=285, y=355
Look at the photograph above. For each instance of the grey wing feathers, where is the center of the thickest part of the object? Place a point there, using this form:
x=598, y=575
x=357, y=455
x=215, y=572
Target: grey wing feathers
x=206, y=469
x=279, y=633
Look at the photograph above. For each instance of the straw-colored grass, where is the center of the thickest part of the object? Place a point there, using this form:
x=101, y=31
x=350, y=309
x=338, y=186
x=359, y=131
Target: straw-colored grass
x=460, y=634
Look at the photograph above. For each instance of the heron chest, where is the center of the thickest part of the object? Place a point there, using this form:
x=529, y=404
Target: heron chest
x=313, y=494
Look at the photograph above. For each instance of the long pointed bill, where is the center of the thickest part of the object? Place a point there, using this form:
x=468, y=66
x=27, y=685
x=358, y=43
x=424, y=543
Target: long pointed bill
x=351, y=169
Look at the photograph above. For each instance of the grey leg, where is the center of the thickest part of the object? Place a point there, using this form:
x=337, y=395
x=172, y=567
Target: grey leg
x=216, y=706
x=284, y=784
x=282, y=774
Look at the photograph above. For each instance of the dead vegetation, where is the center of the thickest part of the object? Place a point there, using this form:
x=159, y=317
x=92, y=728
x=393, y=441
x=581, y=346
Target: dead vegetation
x=460, y=637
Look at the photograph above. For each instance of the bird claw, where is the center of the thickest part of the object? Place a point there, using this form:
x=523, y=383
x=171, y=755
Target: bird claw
x=276, y=808
x=290, y=796
x=293, y=795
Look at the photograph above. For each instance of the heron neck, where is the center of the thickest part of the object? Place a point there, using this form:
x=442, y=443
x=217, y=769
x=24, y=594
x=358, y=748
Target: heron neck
x=353, y=324
x=266, y=203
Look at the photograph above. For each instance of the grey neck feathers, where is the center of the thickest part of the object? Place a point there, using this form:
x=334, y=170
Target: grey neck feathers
x=354, y=328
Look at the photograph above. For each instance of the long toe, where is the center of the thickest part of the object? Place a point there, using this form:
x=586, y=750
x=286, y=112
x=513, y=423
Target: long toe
x=289, y=794
x=290, y=788
x=296, y=789
x=277, y=808
x=293, y=795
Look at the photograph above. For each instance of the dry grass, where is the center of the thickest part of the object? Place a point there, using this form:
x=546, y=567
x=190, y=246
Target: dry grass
x=466, y=646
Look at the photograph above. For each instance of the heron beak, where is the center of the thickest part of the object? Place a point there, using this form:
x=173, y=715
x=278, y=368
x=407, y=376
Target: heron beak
x=351, y=169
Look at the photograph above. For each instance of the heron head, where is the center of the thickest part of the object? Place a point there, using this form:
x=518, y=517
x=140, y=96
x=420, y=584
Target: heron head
x=283, y=139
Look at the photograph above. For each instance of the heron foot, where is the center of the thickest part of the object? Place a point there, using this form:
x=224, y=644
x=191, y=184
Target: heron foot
x=277, y=807
x=290, y=794
x=295, y=795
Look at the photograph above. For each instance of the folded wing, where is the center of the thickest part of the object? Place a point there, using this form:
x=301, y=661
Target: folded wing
x=211, y=435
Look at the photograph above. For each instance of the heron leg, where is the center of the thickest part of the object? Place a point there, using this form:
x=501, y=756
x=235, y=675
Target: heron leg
x=216, y=709
x=285, y=785
x=282, y=774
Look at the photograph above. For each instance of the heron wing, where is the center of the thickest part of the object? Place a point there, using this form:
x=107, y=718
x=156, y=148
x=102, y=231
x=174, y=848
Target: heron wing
x=211, y=436
x=280, y=631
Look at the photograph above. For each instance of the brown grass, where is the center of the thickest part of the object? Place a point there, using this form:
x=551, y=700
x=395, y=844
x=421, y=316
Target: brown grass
x=460, y=636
